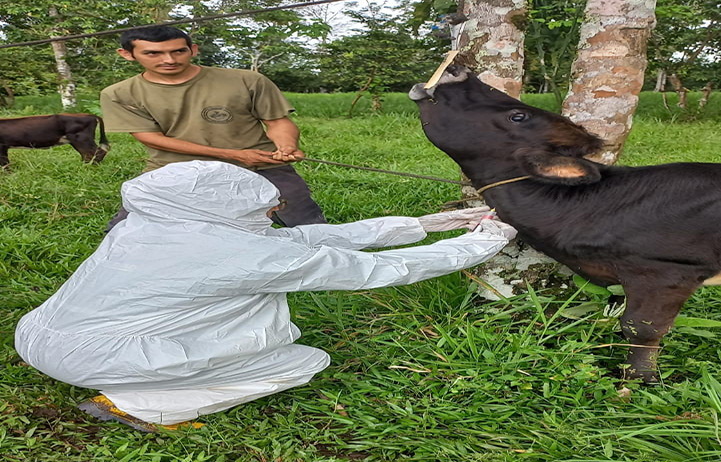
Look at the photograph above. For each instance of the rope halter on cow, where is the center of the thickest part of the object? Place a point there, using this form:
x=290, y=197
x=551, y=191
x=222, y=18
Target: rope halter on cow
x=481, y=190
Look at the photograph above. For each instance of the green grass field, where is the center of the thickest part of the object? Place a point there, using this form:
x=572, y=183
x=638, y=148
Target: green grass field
x=427, y=372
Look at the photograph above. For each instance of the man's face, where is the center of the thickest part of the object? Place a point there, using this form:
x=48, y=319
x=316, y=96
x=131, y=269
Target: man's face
x=169, y=58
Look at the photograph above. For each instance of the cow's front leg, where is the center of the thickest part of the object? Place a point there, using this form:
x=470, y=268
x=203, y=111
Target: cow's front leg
x=4, y=159
x=650, y=312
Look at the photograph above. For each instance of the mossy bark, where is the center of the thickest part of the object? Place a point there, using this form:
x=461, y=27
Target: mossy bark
x=607, y=74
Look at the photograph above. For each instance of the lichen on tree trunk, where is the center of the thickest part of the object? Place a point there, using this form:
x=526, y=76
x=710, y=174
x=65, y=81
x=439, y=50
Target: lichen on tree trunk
x=491, y=43
x=607, y=74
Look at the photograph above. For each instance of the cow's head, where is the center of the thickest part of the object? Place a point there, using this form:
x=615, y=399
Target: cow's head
x=486, y=131
x=97, y=156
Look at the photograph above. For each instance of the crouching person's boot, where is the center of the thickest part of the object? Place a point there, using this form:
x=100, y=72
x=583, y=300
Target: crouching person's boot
x=104, y=409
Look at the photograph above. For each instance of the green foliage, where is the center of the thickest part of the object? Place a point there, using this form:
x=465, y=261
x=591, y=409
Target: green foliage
x=254, y=42
x=551, y=39
x=386, y=53
x=383, y=57
x=27, y=72
x=590, y=288
x=94, y=63
x=378, y=60
x=686, y=41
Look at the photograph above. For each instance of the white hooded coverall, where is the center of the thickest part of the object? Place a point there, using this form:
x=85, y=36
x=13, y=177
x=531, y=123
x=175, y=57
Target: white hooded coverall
x=181, y=311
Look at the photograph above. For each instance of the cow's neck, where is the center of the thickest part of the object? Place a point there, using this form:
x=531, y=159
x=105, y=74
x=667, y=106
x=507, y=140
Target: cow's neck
x=482, y=175
x=522, y=204
x=503, y=195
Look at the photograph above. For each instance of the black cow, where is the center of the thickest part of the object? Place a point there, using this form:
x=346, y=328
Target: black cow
x=50, y=130
x=653, y=229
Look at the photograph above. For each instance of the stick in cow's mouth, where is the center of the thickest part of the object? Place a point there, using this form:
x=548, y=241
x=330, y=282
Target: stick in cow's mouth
x=437, y=75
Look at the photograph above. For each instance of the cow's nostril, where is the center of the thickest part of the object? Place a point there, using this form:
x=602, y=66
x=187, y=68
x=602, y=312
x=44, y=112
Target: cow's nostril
x=456, y=69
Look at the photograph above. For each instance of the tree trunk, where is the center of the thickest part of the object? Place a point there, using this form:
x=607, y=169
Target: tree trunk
x=66, y=85
x=705, y=95
x=680, y=90
x=608, y=70
x=8, y=98
x=660, y=81
x=254, y=61
x=491, y=44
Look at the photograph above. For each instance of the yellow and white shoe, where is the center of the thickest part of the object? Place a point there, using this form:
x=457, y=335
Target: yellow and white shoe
x=104, y=409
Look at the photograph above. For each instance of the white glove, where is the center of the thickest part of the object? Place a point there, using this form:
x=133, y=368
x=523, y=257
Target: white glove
x=455, y=219
x=496, y=227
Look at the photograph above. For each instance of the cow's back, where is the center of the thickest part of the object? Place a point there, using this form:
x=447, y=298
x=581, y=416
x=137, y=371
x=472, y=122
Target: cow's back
x=33, y=132
x=680, y=204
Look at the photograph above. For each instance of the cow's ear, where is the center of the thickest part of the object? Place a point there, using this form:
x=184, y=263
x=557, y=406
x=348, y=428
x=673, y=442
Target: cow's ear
x=554, y=168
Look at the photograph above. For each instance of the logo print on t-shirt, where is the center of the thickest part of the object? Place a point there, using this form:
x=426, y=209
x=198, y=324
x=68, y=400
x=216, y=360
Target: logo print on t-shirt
x=217, y=115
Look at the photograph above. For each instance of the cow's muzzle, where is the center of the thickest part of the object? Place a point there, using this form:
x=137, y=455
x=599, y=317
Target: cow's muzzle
x=455, y=73
x=418, y=93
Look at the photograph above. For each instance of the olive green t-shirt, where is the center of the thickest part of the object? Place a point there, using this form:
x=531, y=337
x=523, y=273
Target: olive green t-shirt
x=218, y=107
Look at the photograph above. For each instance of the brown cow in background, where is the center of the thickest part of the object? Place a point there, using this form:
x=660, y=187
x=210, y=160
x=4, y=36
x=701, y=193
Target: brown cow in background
x=45, y=131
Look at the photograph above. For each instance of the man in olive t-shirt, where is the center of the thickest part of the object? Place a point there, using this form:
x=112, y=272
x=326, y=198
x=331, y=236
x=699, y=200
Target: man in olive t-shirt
x=183, y=112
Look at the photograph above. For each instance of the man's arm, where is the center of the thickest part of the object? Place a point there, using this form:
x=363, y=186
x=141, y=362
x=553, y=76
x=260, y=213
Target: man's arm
x=285, y=135
x=249, y=157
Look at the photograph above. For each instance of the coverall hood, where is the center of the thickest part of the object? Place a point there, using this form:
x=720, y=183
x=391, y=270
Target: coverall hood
x=207, y=191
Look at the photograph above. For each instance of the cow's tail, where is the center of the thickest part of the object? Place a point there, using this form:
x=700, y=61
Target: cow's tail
x=104, y=144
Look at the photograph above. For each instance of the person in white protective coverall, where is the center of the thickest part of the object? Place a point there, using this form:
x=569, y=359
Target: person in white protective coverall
x=181, y=311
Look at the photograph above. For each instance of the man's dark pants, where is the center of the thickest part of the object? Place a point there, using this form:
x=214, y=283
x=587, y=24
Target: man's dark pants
x=300, y=208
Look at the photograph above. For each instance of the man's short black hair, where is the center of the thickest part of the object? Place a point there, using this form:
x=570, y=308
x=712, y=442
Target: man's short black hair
x=152, y=34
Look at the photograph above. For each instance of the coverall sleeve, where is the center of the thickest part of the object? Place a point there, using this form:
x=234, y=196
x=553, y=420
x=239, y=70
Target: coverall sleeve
x=373, y=233
x=329, y=268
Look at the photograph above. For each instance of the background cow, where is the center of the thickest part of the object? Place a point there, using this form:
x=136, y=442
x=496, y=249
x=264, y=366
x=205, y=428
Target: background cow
x=655, y=230
x=50, y=130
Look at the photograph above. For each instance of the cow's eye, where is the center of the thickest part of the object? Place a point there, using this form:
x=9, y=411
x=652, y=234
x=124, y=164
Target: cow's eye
x=518, y=117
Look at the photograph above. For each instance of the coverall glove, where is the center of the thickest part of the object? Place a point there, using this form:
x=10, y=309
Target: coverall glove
x=497, y=227
x=455, y=219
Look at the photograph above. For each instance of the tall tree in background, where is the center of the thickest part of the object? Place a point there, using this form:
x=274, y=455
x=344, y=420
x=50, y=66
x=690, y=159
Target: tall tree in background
x=27, y=71
x=609, y=69
x=249, y=41
x=66, y=84
x=684, y=43
x=24, y=20
x=684, y=46
x=254, y=41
